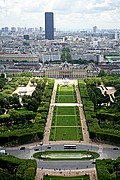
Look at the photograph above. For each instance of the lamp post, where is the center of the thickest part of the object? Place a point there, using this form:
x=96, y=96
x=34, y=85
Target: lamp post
x=41, y=143
x=91, y=146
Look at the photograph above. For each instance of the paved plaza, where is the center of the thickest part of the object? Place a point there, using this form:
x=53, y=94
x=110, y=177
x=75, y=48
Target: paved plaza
x=78, y=172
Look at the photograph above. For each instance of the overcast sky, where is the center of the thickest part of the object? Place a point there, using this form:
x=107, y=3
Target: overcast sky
x=68, y=14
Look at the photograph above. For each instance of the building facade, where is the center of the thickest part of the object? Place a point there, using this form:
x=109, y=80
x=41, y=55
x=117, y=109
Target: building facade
x=65, y=71
x=19, y=57
x=49, y=25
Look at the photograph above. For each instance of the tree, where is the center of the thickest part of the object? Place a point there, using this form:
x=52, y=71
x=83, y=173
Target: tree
x=2, y=75
x=33, y=81
x=14, y=99
x=33, y=105
x=93, y=98
x=2, y=82
x=65, y=55
x=102, y=73
x=14, y=116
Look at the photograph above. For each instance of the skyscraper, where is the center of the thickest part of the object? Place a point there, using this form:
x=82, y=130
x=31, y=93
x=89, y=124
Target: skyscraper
x=49, y=26
x=95, y=29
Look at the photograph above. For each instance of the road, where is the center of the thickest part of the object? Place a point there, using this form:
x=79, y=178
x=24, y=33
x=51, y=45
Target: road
x=105, y=151
x=65, y=165
x=58, y=167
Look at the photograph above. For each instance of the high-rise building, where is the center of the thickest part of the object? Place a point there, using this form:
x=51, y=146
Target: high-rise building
x=26, y=37
x=13, y=29
x=95, y=29
x=117, y=35
x=5, y=29
x=49, y=26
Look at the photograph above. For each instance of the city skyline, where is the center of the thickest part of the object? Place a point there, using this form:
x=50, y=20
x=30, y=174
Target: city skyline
x=69, y=14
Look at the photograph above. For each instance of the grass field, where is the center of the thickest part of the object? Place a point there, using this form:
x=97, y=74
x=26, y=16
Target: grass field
x=65, y=90
x=66, y=178
x=66, y=99
x=66, y=94
x=66, y=133
x=65, y=110
x=66, y=121
x=66, y=124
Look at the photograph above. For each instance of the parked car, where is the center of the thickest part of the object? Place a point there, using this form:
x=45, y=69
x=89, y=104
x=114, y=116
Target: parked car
x=36, y=149
x=115, y=148
x=49, y=147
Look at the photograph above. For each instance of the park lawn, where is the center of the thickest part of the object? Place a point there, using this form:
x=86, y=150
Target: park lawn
x=65, y=90
x=86, y=177
x=67, y=121
x=66, y=110
x=66, y=124
x=66, y=133
x=66, y=99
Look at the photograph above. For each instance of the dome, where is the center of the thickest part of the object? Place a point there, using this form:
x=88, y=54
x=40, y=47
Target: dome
x=65, y=64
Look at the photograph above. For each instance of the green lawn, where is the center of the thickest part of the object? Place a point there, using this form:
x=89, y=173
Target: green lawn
x=66, y=133
x=65, y=110
x=65, y=90
x=66, y=121
x=66, y=94
x=66, y=124
x=66, y=99
x=66, y=178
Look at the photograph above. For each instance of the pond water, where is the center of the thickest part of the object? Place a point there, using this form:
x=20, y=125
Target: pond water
x=66, y=156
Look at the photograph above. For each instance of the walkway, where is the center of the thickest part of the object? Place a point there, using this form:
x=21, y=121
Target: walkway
x=66, y=104
x=49, y=118
x=79, y=172
x=108, y=90
x=85, y=132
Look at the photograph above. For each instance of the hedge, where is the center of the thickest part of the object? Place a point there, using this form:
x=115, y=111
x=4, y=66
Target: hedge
x=107, y=169
x=17, y=168
x=95, y=132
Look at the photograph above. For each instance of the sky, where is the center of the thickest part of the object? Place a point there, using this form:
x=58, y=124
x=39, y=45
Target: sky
x=68, y=14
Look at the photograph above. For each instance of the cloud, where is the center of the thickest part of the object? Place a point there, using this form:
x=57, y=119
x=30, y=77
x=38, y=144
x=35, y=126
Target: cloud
x=67, y=12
